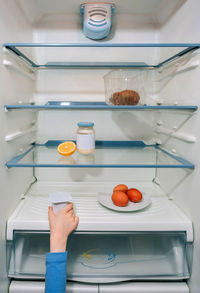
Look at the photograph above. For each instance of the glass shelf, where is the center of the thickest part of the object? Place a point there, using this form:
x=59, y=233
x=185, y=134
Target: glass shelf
x=59, y=105
x=112, y=55
x=108, y=154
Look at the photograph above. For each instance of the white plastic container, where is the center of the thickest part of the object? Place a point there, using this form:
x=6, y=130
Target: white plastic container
x=59, y=200
x=124, y=87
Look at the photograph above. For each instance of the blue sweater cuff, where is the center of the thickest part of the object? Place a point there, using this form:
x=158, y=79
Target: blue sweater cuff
x=56, y=256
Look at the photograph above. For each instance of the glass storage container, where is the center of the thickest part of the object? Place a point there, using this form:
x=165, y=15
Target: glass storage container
x=124, y=87
x=85, y=138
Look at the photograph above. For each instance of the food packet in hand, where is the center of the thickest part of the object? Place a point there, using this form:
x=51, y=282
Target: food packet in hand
x=59, y=199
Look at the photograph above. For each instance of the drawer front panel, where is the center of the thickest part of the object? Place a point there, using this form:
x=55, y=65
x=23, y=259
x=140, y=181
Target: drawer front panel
x=72, y=287
x=145, y=287
x=38, y=287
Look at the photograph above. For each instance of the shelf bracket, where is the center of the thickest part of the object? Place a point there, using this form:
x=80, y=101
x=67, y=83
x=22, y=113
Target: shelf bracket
x=25, y=71
x=179, y=135
x=17, y=134
x=156, y=181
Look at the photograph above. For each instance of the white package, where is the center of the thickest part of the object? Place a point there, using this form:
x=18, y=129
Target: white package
x=59, y=199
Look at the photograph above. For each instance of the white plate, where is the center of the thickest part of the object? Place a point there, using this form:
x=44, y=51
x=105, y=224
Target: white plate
x=105, y=200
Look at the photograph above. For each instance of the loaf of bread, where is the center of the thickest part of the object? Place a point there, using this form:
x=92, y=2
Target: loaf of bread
x=126, y=97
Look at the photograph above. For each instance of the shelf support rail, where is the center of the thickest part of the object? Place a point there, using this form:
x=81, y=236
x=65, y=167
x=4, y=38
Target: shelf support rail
x=17, y=134
x=179, y=135
x=20, y=54
x=12, y=61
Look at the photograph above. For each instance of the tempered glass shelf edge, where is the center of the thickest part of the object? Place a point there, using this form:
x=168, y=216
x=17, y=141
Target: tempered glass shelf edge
x=103, y=65
x=12, y=47
x=10, y=165
x=191, y=45
x=178, y=162
x=97, y=106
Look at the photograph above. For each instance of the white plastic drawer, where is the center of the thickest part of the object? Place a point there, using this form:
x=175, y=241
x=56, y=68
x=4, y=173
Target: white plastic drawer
x=105, y=257
x=134, y=287
x=38, y=287
x=72, y=287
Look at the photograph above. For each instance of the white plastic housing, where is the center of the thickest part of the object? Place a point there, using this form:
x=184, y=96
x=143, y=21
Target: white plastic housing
x=96, y=20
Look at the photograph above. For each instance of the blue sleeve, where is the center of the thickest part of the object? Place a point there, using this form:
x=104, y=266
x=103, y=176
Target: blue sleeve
x=55, y=279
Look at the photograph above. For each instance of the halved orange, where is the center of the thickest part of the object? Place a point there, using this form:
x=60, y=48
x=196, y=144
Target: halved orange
x=66, y=148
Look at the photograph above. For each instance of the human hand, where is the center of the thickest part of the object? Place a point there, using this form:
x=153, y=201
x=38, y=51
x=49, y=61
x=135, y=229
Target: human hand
x=61, y=225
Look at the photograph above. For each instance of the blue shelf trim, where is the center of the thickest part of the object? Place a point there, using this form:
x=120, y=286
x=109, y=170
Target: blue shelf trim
x=96, y=106
x=103, y=144
x=95, y=64
x=163, y=166
x=12, y=47
x=15, y=162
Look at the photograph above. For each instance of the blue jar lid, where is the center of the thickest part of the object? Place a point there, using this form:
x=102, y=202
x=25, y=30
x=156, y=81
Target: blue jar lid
x=85, y=124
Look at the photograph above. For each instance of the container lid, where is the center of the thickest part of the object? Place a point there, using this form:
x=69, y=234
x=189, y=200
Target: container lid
x=85, y=124
x=60, y=197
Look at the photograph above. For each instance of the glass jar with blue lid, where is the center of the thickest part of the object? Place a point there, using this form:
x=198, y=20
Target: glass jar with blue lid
x=85, y=140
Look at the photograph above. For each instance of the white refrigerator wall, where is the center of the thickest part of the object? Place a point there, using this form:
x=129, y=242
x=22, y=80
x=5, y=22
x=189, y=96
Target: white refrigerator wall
x=14, y=86
x=183, y=186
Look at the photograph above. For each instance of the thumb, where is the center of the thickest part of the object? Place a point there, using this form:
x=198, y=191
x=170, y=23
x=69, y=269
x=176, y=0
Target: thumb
x=50, y=213
x=76, y=221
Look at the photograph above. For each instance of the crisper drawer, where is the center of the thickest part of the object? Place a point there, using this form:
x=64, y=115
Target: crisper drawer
x=105, y=257
x=72, y=287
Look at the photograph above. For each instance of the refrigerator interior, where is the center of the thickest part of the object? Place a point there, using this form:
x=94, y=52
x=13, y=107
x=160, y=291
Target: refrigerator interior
x=136, y=22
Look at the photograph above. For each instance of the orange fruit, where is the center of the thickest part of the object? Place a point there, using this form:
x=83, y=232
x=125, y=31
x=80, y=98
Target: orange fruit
x=134, y=195
x=119, y=198
x=121, y=187
x=66, y=148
